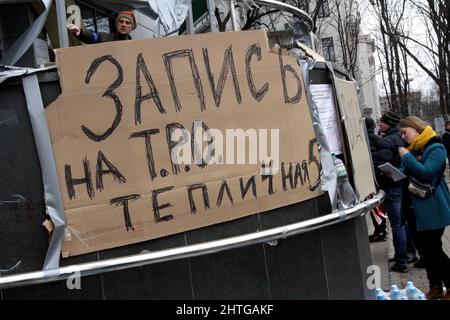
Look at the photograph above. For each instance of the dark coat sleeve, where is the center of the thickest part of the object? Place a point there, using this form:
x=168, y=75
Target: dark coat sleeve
x=88, y=36
x=391, y=142
x=384, y=156
x=387, y=152
x=446, y=142
x=379, y=156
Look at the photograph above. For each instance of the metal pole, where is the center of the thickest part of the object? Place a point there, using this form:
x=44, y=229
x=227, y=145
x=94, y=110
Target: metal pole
x=233, y=16
x=62, y=23
x=212, y=17
x=190, y=20
x=313, y=45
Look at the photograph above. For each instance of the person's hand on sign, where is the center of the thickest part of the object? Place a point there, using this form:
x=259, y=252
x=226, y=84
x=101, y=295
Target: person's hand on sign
x=74, y=29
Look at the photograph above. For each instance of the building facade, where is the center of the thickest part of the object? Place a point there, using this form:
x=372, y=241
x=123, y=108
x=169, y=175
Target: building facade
x=340, y=40
x=368, y=95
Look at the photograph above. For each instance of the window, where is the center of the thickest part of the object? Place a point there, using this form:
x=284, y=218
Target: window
x=328, y=49
x=96, y=19
x=324, y=9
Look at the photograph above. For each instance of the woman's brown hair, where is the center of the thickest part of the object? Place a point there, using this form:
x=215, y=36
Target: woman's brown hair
x=413, y=122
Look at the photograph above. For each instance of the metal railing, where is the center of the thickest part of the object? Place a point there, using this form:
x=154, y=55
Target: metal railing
x=138, y=260
x=300, y=14
x=289, y=8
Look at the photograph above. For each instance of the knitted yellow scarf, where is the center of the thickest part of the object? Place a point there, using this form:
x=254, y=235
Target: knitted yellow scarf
x=422, y=140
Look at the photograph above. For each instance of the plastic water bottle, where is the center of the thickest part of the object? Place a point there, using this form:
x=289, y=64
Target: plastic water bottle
x=395, y=293
x=421, y=296
x=411, y=291
x=380, y=294
x=346, y=195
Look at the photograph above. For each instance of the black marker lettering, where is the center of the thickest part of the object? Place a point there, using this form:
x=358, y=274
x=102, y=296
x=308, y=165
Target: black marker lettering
x=285, y=176
x=108, y=93
x=71, y=182
x=168, y=57
x=154, y=94
x=251, y=182
x=148, y=149
x=305, y=171
x=228, y=63
x=252, y=50
x=313, y=158
x=298, y=175
x=196, y=149
x=194, y=187
x=224, y=187
x=170, y=129
x=269, y=176
x=111, y=170
x=157, y=207
x=164, y=173
x=126, y=213
x=284, y=68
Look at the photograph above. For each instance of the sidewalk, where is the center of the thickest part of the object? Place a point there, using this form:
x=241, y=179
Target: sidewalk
x=382, y=251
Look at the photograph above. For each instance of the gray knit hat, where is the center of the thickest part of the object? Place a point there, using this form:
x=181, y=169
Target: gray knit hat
x=390, y=118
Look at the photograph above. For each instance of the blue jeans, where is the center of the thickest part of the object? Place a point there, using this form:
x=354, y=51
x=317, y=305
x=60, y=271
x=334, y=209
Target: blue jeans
x=401, y=238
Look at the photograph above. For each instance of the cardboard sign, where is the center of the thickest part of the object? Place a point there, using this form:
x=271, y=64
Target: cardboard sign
x=356, y=137
x=117, y=136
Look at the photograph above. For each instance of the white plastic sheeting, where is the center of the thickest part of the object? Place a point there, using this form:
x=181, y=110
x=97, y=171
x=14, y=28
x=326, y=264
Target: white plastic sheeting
x=172, y=13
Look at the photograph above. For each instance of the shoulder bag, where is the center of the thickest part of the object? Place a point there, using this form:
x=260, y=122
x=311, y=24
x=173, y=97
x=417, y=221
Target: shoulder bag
x=421, y=189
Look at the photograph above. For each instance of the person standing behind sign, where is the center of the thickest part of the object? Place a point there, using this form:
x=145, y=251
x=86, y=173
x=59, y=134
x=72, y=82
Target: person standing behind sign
x=446, y=139
x=401, y=239
x=378, y=158
x=425, y=159
x=125, y=23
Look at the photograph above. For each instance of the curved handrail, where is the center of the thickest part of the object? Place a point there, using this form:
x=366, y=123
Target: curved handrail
x=287, y=7
x=302, y=15
x=137, y=260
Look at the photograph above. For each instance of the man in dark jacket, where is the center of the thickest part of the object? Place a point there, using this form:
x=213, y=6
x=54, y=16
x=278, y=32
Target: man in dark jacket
x=125, y=23
x=388, y=145
x=446, y=139
x=378, y=158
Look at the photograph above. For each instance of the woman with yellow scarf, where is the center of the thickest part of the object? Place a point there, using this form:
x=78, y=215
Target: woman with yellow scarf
x=425, y=160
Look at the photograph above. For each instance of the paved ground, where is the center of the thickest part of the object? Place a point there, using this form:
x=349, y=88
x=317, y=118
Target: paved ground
x=381, y=251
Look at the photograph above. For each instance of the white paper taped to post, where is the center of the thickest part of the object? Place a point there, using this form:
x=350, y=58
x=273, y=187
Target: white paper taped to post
x=322, y=95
